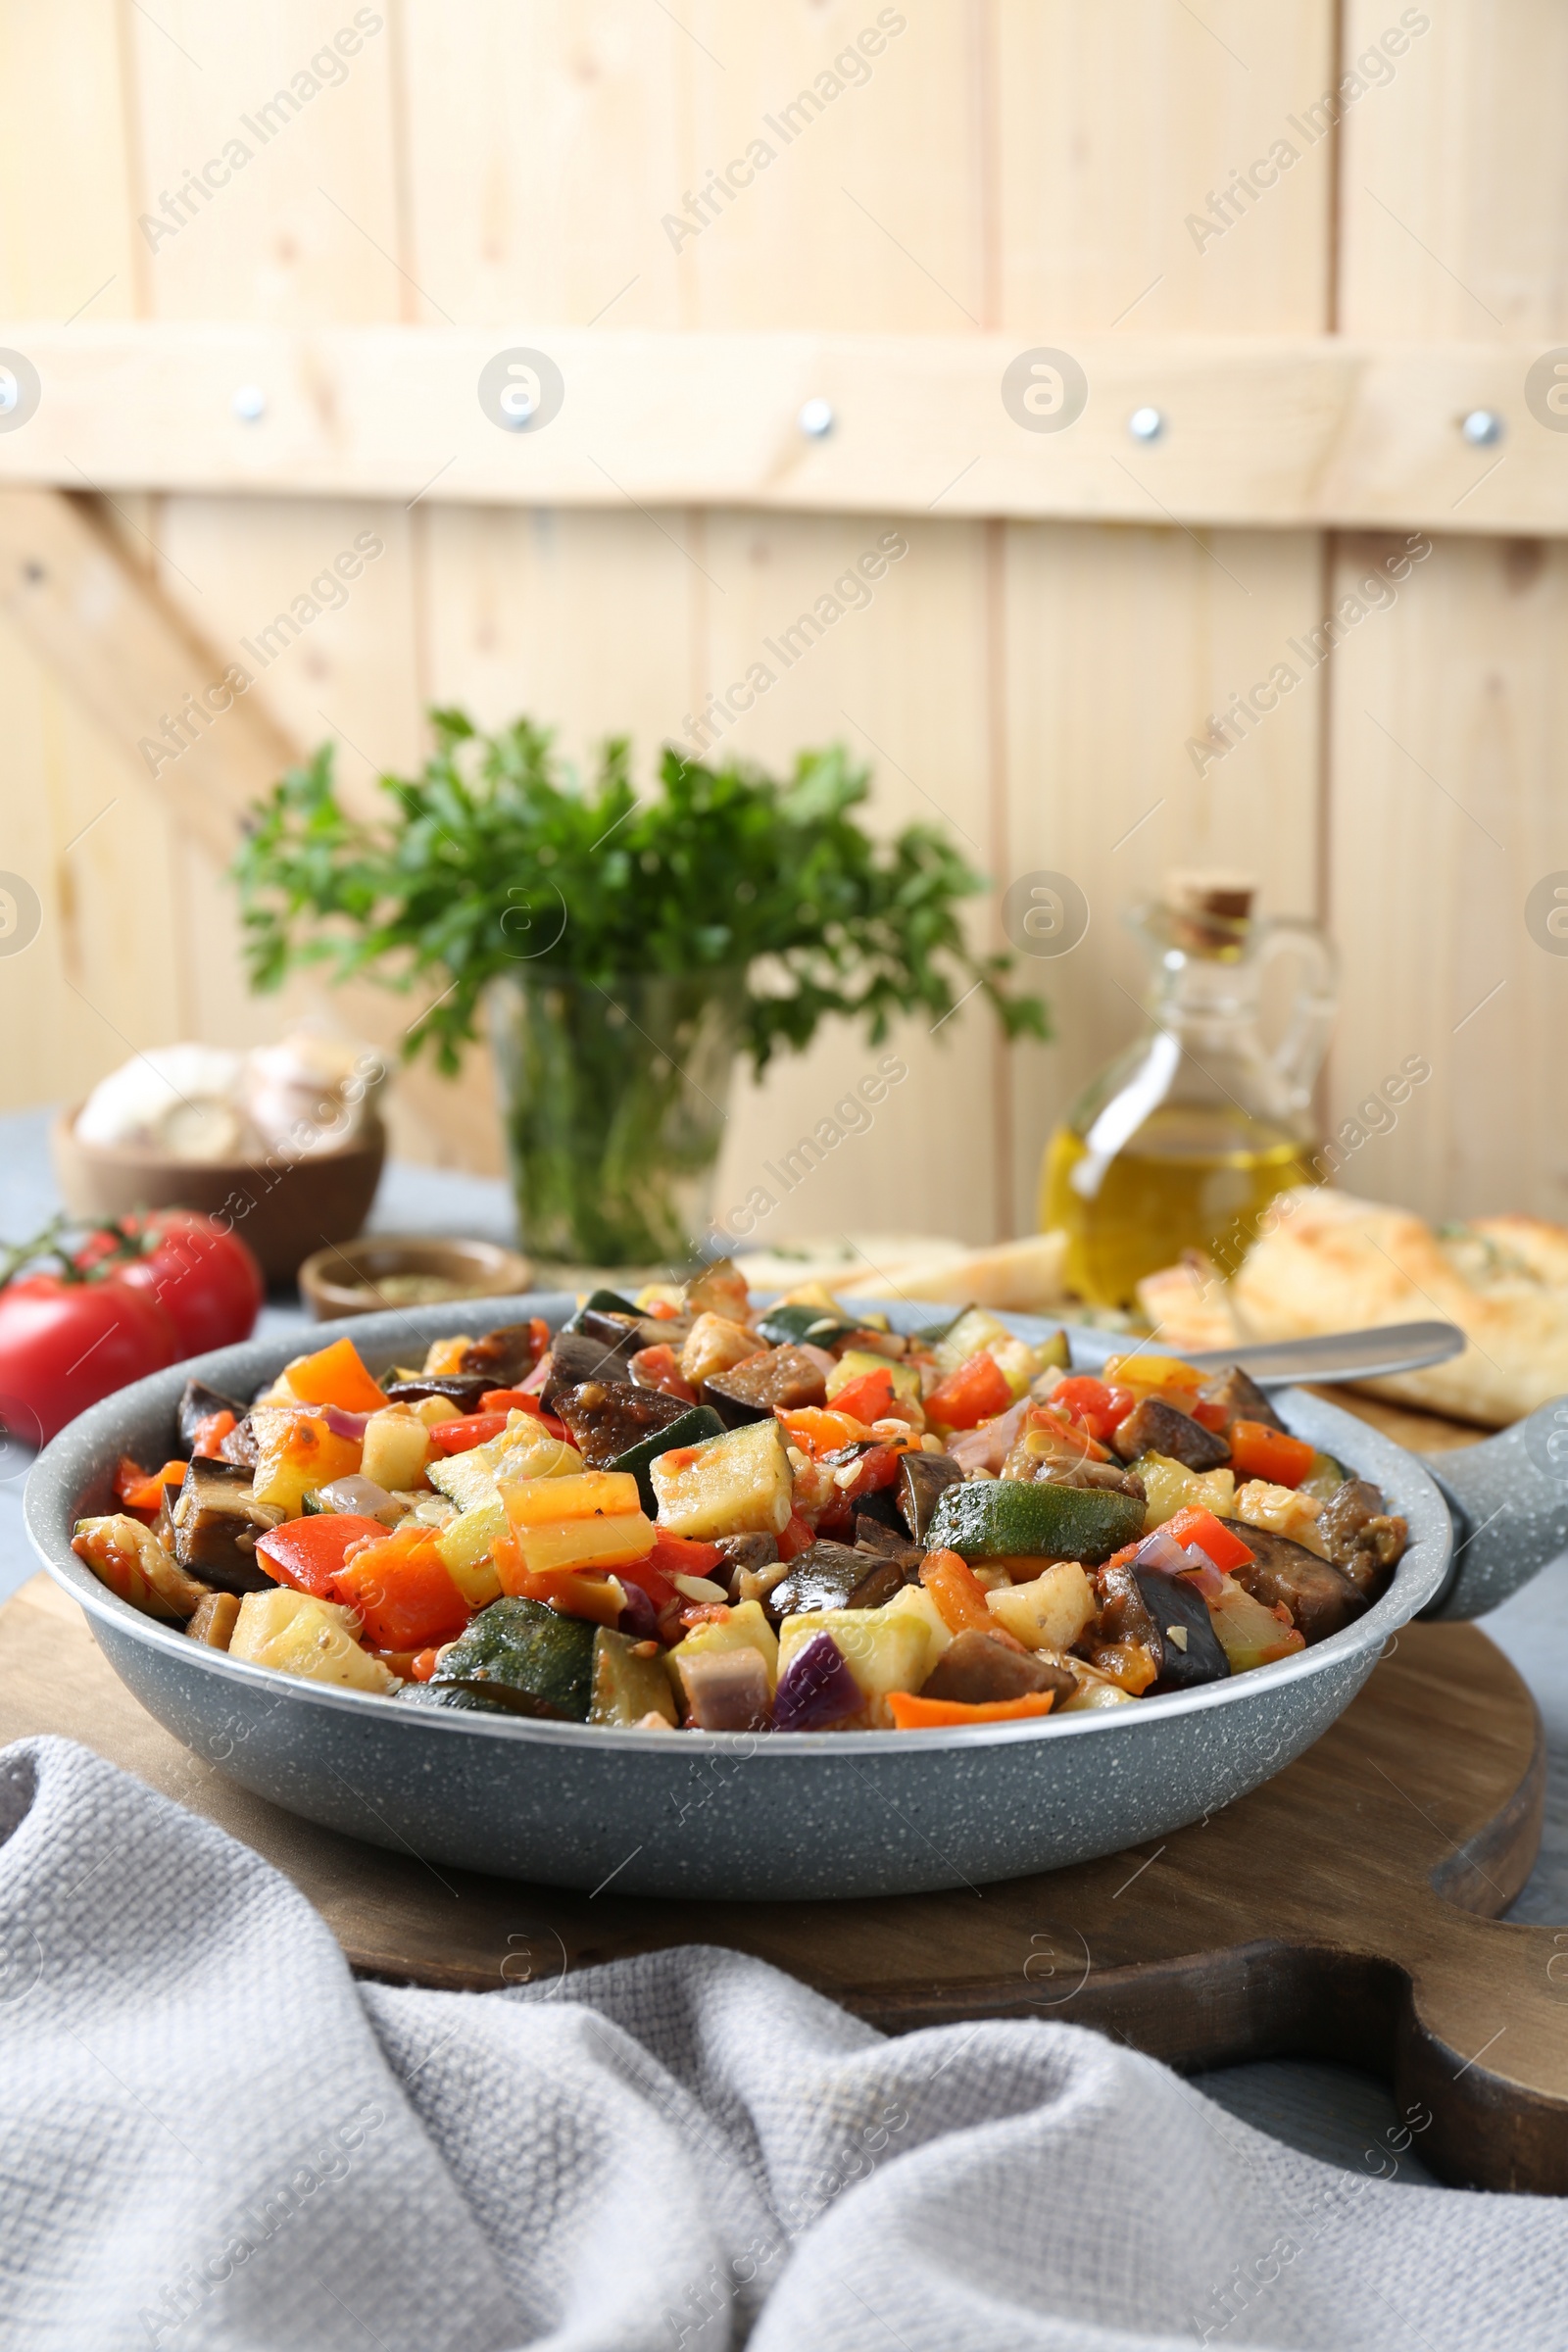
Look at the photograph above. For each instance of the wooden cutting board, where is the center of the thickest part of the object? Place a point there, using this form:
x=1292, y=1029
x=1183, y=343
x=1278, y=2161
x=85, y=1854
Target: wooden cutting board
x=1347, y=1910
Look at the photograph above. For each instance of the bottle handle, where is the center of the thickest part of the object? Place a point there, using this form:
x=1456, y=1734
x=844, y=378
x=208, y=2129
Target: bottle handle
x=1298, y=1055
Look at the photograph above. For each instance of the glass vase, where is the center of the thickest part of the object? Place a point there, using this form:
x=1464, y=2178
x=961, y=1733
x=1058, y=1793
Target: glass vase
x=614, y=1100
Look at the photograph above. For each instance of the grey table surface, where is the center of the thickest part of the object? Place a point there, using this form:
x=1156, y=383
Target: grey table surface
x=1328, y=2111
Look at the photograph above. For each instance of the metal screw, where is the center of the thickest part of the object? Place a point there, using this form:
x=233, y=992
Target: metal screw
x=1482, y=427
x=249, y=404
x=1146, y=424
x=815, y=420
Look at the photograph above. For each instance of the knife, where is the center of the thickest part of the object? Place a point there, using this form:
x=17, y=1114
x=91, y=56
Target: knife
x=1329, y=1355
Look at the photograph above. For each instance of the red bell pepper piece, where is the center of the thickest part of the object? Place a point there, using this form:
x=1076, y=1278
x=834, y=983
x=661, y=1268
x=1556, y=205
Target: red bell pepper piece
x=210, y=1431
x=1258, y=1452
x=682, y=1556
x=1193, y=1525
x=795, y=1539
x=308, y=1553
x=461, y=1436
x=401, y=1590
x=1208, y=1411
x=867, y=1399
x=519, y=1400
x=975, y=1392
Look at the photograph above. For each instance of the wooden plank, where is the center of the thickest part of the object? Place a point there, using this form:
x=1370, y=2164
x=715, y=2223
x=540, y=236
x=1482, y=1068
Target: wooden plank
x=1448, y=710
x=901, y=680
x=1117, y=126
x=1120, y=644
x=1261, y=430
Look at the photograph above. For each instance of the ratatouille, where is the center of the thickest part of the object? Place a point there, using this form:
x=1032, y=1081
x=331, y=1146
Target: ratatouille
x=684, y=1511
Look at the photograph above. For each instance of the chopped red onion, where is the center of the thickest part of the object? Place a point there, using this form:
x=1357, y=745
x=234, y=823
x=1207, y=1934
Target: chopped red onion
x=344, y=1425
x=637, y=1616
x=816, y=1689
x=987, y=1447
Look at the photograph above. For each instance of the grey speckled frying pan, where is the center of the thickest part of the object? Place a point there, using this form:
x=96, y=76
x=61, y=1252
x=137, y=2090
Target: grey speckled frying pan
x=813, y=1815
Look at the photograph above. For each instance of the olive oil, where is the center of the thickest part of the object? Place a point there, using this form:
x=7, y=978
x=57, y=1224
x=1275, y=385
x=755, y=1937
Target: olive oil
x=1178, y=1185
x=1184, y=1138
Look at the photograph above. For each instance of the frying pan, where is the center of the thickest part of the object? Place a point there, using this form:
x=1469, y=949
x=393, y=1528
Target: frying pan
x=811, y=1815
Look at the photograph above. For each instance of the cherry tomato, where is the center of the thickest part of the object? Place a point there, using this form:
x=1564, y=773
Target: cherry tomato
x=64, y=1343
x=197, y=1269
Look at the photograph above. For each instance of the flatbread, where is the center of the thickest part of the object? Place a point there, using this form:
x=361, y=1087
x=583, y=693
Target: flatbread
x=1336, y=1263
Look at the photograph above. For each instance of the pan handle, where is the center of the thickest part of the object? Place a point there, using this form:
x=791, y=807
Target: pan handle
x=1508, y=1500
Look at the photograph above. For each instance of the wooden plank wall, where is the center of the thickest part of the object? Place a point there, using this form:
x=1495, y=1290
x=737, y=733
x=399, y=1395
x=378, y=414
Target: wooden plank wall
x=1019, y=165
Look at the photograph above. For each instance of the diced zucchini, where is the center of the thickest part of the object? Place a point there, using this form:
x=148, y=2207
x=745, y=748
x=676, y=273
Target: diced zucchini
x=465, y=1541
x=396, y=1449
x=690, y=1430
x=596, y=1542
x=471, y=1477
x=1250, y=1635
x=626, y=1686
x=855, y=1362
x=974, y=1330
x=608, y=1303
x=1171, y=1487
x=1052, y=1612
x=522, y=1653
x=745, y=1627
x=789, y=1326
x=733, y=1485
x=885, y=1649
x=989, y=1519
x=128, y=1558
x=295, y=1634
x=1325, y=1477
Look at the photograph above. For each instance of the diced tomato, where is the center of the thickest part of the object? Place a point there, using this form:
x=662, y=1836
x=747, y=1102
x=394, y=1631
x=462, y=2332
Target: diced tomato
x=1208, y=1411
x=958, y=1593
x=795, y=1539
x=1193, y=1525
x=660, y=1368
x=402, y=1589
x=914, y=1714
x=661, y=1310
x=1091, y=1404
x=308, y=1553
x=461, y=1436
x=1258, y=1452
x=336, y=1376
x=975, y=1392
x=142, y=1490
x=868, y=1398
x=655, y=1582
x=210, y=1431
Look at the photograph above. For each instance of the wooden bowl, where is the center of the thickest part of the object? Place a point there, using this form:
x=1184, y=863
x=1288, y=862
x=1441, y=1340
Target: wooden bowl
x=484, y=1270
x=283, y=1209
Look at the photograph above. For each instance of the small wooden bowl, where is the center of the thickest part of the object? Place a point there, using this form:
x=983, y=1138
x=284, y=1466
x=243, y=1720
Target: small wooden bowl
x=483, y=1269
x=283, y=1209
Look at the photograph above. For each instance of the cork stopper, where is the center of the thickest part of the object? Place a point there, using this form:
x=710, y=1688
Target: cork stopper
x=1208, y=909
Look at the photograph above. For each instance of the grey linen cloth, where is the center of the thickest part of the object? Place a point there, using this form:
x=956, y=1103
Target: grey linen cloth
x=212, y=2136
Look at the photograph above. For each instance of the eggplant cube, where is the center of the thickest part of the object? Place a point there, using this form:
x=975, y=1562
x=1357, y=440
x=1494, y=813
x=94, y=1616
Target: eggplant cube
x=728, y=1485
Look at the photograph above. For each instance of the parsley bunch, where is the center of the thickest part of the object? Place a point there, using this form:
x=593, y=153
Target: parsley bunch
x=497, y=860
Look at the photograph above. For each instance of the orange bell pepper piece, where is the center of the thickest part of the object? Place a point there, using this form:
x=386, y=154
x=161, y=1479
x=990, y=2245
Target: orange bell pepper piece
x=142, y=1490
x=1258, y=1452
x=335, y=1376
x=403, y=1591
x=958, y=1592
x=910, y=1714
